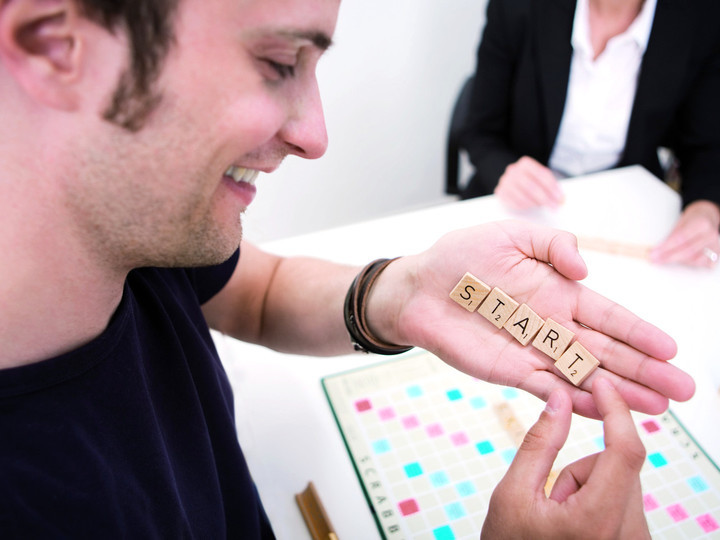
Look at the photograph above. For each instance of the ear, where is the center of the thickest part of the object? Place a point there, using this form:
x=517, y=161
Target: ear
x=40, y=46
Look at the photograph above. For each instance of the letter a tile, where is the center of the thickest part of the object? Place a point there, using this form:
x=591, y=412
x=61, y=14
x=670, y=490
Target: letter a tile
x=524, y=324
x=470, y=292
x=498, y=307
x=553, y=339
x=577, y=363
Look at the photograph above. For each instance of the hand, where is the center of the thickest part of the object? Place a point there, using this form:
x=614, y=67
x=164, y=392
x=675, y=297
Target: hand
x=694, y=239
x=410, y=304
x=598, y=496
x=527, y=184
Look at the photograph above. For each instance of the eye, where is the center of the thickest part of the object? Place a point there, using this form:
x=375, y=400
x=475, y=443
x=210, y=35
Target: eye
x=284, y=71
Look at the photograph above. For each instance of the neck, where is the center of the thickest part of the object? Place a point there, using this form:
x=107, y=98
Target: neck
x=54, y=296
x=609, y=18
x=615, y=8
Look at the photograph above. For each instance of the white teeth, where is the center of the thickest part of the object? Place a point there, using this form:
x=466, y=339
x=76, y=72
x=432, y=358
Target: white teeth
x=242, y=174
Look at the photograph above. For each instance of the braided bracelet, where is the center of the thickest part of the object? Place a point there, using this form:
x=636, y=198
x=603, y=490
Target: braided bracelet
x=355, y=307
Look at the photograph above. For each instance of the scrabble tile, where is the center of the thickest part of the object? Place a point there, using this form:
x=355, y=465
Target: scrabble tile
x=553, y=339
x=577, y=363
x=513, y=427
x=470, y=292
x=524, y=324
x=497, y=307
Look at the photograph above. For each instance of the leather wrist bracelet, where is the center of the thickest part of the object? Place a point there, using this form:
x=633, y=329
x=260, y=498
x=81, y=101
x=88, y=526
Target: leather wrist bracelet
x=355, y=304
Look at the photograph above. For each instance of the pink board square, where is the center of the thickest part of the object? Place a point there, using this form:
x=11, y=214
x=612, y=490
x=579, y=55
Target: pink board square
x=409, y=506
x=363, y=405
x=434, y=430
x=650, y=503
x=387, y=413
x=459, y=438
x=708, y=523
x=410, y=422
x=651, y=426
x=677, y=512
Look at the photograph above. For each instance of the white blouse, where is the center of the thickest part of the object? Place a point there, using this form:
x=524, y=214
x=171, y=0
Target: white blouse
x=600, y=95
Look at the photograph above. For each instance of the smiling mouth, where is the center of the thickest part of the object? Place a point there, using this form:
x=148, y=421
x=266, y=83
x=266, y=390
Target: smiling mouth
x=242, y=174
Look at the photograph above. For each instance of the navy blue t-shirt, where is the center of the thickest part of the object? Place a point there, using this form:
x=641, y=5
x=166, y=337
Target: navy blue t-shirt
x=132, y=435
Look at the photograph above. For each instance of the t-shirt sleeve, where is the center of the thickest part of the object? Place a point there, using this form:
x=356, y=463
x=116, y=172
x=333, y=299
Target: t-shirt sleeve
x=209, y=280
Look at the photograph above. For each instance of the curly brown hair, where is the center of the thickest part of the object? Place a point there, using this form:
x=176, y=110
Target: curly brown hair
x=149, y=26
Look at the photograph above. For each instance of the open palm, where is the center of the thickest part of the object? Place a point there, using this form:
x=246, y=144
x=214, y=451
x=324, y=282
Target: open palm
x=540, y=267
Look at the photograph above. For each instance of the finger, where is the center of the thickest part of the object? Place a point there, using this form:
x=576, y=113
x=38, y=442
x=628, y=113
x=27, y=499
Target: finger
x=559, y=248
x=611, y=319
x=572, y=478
x=514, y=197
x=546, y=182
x=615, y=472
x=542, y=383
x=665, y=249
x=633, y=349
x=689, y=252
x=516, y=189
x=638, y=397
x=533, y=188
x=534, y=459
x=687, y=242
x=645, y=383
x=619, y=464
x=693, y=254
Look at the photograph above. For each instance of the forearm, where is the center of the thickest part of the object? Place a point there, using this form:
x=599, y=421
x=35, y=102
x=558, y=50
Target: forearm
x=303, y=310
x=292, y=304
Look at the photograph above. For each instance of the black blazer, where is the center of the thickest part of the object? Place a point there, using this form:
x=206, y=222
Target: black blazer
x=523, y=68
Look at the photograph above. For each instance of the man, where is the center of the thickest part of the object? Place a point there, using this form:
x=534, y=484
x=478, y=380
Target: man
x=131, y=138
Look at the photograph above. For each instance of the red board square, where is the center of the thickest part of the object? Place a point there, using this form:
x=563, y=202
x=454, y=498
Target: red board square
x=363, y=405
x=651, y=426
x=409, y=506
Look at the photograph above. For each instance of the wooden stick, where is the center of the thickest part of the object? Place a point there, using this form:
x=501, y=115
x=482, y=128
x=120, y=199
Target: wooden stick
x=314, y=513
x=615, y=247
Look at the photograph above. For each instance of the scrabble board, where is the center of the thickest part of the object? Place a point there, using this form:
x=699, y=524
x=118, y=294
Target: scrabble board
x=429, y=444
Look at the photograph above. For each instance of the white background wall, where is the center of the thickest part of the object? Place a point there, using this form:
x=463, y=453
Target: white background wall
x=388, y=86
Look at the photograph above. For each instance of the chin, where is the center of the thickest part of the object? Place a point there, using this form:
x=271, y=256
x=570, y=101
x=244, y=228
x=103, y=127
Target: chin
x=203, y=250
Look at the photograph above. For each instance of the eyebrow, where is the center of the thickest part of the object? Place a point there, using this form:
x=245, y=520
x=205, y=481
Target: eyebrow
x=316, y=37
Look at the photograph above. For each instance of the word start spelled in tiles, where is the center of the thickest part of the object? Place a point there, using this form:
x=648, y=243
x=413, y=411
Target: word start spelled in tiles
x=574, y=361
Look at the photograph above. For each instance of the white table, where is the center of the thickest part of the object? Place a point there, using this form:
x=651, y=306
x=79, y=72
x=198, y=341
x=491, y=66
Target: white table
x=285, y=424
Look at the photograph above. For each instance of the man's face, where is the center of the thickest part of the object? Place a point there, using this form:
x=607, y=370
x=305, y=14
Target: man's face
x=239, y=93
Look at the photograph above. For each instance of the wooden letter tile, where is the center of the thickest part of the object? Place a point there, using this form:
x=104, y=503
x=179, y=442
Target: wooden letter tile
x=470, y=292
x=553, y=339
x=577, y=363
x=498, y=307
x=524, y=324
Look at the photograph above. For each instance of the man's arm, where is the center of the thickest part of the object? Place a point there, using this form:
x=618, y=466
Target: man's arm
x=291, y=305
x=296, y=305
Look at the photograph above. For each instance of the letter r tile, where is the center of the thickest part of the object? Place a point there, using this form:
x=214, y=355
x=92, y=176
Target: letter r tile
x=498, y=307
x=553, y=339
x=470, y=292
x=524, y=324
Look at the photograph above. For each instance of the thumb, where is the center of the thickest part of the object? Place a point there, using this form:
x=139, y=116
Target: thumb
x=543, y=441
x=559, y=248
x=563, y=254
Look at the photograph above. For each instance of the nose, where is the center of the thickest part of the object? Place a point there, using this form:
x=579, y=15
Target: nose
x=304, y=131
